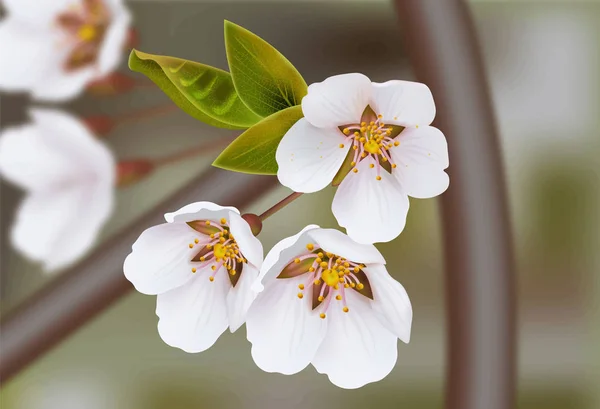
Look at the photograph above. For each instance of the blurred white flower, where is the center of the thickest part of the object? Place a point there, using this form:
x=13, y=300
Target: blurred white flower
x=403, y=156
x=54, y=48
x=202, y=264
x=329, y=301
x=68, y=177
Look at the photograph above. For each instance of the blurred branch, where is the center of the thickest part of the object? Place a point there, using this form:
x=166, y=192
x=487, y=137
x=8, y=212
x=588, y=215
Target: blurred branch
x=92, y=285
x=481, y=371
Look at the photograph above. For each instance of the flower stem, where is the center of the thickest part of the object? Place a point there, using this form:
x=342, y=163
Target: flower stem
x=192, y=152
x=279, y=205
x=144, y=113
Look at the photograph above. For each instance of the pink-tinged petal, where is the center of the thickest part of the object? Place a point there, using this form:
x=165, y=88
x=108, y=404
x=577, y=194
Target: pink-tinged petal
x=280, y=255
x=309, y=157
x=339, y=100
x=357, y=349
x=37, y=13
x=371, y=210
x=240, y=297
x=193, y=316
x=403, y=103
x=390, y=301
x=249, y=245
x=111, y=52
x=284, y=330
x=200, y=211
x=336, y=242
x=93, y=161
x=60, y=85
x=161, y=258
x=57, y=227
x=31, y=161
x=421, y=159
x=24, y=53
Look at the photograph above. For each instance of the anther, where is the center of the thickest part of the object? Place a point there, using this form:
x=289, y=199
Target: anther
x=341, y=145
x=378, y=177
x=322, y=315
x=345, y=309
x=300, y=295
x=338, y=297
x=301, y=286
x=191, y=246
x=211, y=278
x=193, y=270
x=196, y=241
x=310, y=246
x=297, y=261
x=360, y=286
x=355, y=170
x=321, y=298
x=208, y=222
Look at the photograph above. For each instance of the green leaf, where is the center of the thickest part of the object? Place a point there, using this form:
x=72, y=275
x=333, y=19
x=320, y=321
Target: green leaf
x=204, y=92
x=254, y=150
x=264, y=79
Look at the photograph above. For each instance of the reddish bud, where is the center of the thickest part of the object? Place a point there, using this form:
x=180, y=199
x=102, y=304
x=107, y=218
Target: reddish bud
x=132, y=171
x=99, y=125
x=132, y=40
x=113, y=84
x=254, y=222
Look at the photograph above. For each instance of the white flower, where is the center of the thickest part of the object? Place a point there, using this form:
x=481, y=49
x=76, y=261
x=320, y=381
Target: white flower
x=329, y=301
x=53, y=48
x=382, y=131
x=68, y=177
x=201, y=264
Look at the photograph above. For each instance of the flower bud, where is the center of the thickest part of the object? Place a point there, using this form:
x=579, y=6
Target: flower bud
x=132, y=171
x=254, y=222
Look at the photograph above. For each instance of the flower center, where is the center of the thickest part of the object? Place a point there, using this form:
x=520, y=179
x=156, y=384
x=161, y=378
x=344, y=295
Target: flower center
x=85, y=26
x=328, y=276
x=218, y=249
x=372, y=138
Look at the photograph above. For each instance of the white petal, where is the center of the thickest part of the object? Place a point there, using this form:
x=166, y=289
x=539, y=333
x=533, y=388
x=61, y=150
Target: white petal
x=193, y=316
x=336, y=242
x=280, y=255
x=371, y=210
x=241, y=297
x=390, y=301
x=32, y=161
x=160, y=260
x=404, y=103
x=200, y=210
x=93, y=208
x=111, y=51
x=284, y=331
x=60, y=85
x=92, y=160
x=357, y=349
x=37, y=12
x=339, y=100
x=57, y=227
x=24, y=52
x=309, y=157
x=421, y=159
x=249, y=245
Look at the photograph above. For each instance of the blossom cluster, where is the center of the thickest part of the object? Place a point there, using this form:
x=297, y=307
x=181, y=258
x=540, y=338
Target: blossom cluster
x=320, y=297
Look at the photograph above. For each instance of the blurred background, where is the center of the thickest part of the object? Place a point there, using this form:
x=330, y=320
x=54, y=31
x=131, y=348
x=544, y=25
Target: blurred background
x=543, y=64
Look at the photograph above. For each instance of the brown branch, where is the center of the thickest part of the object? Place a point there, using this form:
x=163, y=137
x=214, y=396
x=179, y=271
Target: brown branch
x=480, y=294
x=92, y=285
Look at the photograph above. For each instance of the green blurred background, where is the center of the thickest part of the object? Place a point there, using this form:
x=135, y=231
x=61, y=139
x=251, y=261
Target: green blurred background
x=543, y=63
